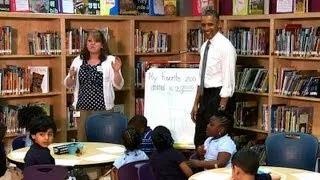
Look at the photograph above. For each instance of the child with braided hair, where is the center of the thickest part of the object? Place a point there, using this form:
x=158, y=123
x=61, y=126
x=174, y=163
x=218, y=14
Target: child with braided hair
x=218, y=148
x=167, y=163
x=131, y=140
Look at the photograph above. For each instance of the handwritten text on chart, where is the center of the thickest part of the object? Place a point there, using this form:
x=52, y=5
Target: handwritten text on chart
x=166, y=82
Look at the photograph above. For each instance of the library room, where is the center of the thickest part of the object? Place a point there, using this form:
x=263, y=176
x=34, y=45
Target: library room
x=159, y=89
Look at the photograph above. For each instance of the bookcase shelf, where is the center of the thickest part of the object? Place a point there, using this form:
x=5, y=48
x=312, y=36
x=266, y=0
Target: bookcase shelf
x=302, y=98
x=294, y=58
x=22, y=57
x=121, y=43
x=252, y=93
x=31, y=95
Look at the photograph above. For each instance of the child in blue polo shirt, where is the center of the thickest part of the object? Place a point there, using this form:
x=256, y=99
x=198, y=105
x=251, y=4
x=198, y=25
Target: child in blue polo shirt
x=139, y=122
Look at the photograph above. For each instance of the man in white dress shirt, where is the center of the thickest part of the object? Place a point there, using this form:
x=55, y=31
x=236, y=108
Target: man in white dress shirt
x=217, y=85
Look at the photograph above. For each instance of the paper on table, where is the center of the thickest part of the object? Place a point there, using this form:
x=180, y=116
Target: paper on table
x=66, y=162
x=211, y=175
x=112, y=149
x=307, y=175
x=101, y=157
x=18, y=155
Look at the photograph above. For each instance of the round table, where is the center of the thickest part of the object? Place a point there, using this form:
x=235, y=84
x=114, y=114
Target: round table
x=94, y=153
x=285, y=173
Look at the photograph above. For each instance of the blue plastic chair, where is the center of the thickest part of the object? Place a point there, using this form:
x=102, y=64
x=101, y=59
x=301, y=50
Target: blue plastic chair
x=19, y=142
x=130, y=171
x=47, y=172
x=292, y=150
x=106, y=127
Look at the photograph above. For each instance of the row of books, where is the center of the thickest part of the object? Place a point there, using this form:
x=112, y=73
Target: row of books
x=9, y=114
x=16, y=80
x=44, y=43
x=282, y=118
x=76, y=38
x=292, y=82
x=294, y=40
x=246, y=113
x=195, y=39
x=250, y=41
x=153, y=41
x=142, y=67
x=291, y=118
x=102, y=7
x=252, y=79
x=6, y=40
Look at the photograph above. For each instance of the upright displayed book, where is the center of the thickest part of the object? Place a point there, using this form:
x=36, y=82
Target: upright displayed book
x=39, y=6
x=128, y=7
x=93, y=6
x=170, y=7
x=199, y=5
x=4, y=5
x=256, y=6
x=156, y=7
x=240, y=7
x=109, y=7
x=40, y=73
x=19, y=5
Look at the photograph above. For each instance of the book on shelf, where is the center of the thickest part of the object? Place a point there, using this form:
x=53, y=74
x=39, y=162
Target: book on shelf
x=299, y=6
x=240, y=7
x=39, y=6
x=291, y=118
x=246, y=113
x=143, y=7
x=225, y=7
x=93, y=7
x=313, y=6
x=184, y=7
x=55, y=6
x=19, y=6
x=199, y=5
x=127, y=7
x=41, y=82
x=156, y=7
x=256, y=7
x=281, y=6
x=111, y=7
x=170, y=7
x=8, y=38
x=5, y=5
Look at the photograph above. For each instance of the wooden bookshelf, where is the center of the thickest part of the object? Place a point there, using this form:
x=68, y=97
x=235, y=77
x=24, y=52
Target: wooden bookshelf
x=121, y=43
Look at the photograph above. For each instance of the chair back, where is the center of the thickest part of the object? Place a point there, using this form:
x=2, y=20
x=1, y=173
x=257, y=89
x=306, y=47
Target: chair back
x=145, y=172
x=292, y=150
x=47, y=172
x=106, y=127
x=130, y=171
x=18, y=142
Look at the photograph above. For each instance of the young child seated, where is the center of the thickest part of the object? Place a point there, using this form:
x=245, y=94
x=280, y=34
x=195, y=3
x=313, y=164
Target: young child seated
x=139, y=122
x=218, y=148
x=245, y=164
x=131, y=140
x=25, y=114
x=42, y=131
x=167, y=163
